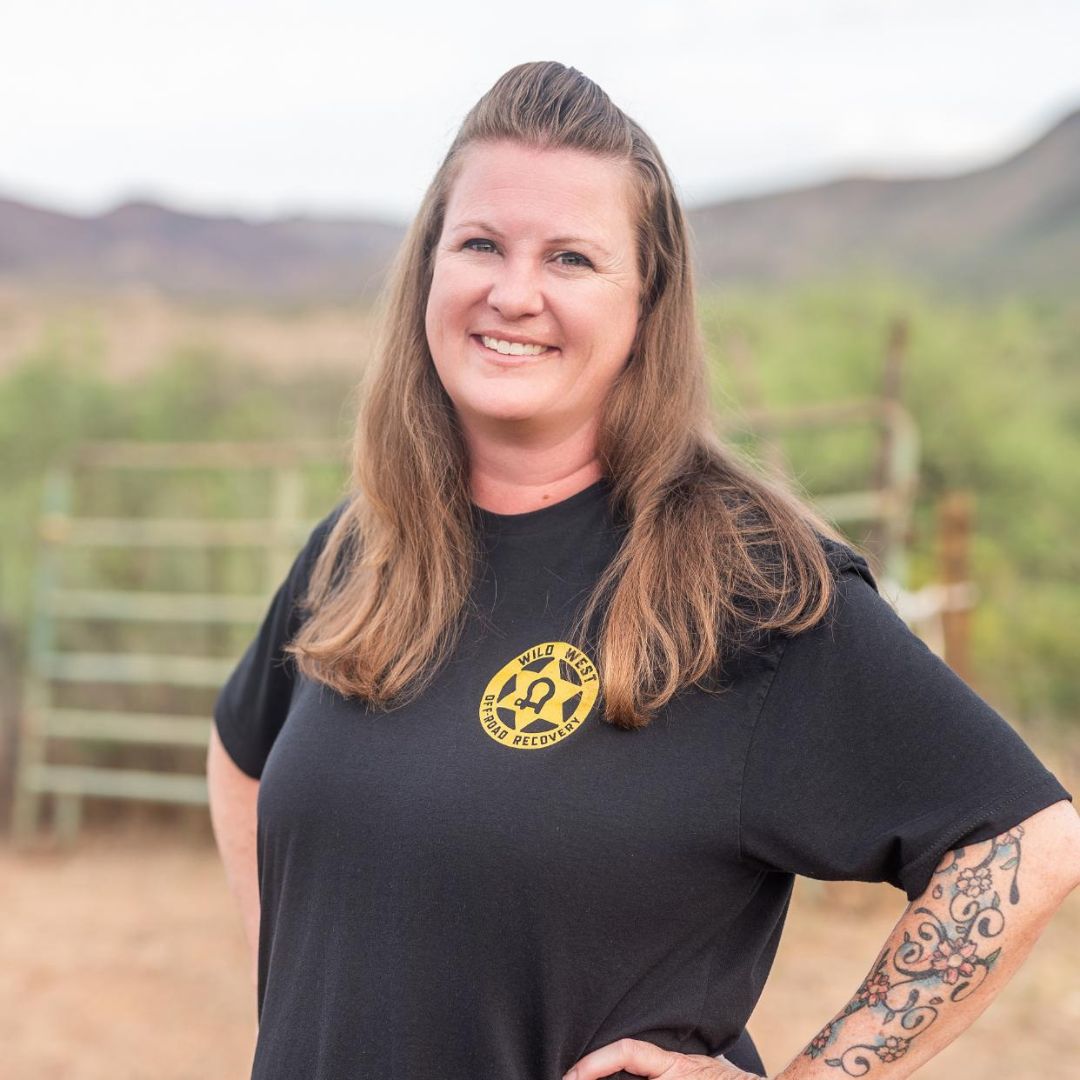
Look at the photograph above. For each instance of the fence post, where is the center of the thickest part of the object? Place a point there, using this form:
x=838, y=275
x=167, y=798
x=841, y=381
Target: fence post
x=955, y=513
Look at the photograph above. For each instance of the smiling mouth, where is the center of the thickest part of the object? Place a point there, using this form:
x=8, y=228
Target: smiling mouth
x=514, y=349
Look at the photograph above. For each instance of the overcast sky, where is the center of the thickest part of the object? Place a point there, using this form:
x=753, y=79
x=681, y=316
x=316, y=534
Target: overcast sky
x=345, y=107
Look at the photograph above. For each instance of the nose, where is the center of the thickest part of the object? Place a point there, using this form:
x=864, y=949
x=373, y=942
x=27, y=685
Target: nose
x=516, y=289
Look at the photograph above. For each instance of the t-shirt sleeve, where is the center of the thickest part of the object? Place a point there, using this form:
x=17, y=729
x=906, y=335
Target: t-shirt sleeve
x=870, y=758
x=251, y=707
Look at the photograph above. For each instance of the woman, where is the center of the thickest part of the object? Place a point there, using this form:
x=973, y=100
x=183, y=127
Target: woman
x=554, y=704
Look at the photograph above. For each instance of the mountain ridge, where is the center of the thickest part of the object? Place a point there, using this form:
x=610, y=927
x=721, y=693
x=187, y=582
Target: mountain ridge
x=1013, y=225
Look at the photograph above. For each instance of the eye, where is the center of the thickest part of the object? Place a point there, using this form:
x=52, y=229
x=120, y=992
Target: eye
x=574, y=255
x=476, y=240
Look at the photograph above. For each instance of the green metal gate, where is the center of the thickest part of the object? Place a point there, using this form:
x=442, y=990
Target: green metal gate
x=100, y=504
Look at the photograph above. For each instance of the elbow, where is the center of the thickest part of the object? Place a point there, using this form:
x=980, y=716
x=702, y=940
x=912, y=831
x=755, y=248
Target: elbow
x=1055, y=834
x=1073, y=855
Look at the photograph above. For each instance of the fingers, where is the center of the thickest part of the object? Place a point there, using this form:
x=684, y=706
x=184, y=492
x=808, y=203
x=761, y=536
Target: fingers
x=633, y=1055
x=735, y=1073
x=647, y=1060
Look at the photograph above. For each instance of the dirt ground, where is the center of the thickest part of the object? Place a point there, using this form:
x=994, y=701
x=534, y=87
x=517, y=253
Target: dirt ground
x=123, y=959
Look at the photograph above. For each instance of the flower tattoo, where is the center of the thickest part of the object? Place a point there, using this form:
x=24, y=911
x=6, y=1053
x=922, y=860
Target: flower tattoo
x=940, y=958
x=953, y=959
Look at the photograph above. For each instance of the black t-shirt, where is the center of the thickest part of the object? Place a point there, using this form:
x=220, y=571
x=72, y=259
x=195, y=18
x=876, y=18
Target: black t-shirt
x=492, y=881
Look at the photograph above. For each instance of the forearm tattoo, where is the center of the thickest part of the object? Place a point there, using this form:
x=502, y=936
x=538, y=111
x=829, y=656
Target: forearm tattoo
x=947, y=960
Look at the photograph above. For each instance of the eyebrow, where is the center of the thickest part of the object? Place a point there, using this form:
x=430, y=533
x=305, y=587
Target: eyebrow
x=483, y=226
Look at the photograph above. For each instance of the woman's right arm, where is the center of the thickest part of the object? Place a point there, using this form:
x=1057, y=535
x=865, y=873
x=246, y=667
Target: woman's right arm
x=233, y=796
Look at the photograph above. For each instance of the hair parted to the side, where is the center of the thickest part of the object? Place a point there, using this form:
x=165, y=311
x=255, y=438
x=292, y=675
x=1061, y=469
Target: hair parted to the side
x=715, y=553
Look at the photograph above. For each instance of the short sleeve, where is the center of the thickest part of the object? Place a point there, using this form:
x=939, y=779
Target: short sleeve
x=252, y=705
x=870, y=758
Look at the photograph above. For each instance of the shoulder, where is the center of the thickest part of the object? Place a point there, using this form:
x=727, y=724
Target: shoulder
x=856, y=598
x=852, y=590
x=322, y=529
x=326, y=524
x=860, y=622
x=861, y=644
x=315, y=544
x=844, y=559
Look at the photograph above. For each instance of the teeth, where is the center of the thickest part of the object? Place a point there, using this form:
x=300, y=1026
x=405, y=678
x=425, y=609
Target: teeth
x=513, y=348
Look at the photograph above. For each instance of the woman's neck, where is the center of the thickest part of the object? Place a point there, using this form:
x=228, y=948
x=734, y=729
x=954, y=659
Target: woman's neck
x=508, y=491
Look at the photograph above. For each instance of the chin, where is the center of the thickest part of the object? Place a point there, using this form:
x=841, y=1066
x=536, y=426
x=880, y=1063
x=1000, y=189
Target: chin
x=508, y=415
x=519, y=405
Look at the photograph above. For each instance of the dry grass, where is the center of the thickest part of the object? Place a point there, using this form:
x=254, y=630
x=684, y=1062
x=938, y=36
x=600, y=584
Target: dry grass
x=136, y=330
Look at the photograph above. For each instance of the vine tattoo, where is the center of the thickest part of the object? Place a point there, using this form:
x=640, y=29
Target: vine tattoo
x=948, y=960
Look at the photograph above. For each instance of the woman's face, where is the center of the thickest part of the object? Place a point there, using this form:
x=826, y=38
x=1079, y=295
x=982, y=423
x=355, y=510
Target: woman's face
x=538, y=247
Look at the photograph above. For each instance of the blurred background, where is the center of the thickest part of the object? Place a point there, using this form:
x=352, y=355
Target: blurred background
x=198, y=205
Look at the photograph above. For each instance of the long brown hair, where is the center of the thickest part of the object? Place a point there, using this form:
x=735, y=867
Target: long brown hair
x=715, y=553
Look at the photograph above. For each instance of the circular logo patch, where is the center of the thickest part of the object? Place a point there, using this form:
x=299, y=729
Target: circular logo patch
x=540, y=697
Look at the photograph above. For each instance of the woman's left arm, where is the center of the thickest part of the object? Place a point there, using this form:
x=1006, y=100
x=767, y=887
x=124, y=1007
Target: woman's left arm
x=951, y=952
x=944, y=962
